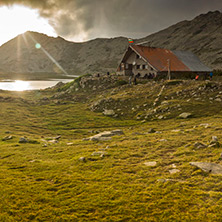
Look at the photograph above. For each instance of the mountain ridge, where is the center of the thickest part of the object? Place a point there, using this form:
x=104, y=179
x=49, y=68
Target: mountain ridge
x=202, y=36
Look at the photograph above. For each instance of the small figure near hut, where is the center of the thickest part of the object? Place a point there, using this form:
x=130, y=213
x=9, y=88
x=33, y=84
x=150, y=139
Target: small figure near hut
x=134, y=80
x=197, y=77
x=211, y=75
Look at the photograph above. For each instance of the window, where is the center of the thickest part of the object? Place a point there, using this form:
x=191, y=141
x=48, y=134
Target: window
x=144, y=66
x=137, y=56
x=127, y=66
x=138, y=67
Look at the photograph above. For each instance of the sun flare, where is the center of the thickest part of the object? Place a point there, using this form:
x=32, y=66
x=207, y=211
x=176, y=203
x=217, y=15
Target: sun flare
x=19, y=19
x=19, y=85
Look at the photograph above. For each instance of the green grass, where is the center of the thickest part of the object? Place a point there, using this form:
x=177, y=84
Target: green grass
x=50, y=183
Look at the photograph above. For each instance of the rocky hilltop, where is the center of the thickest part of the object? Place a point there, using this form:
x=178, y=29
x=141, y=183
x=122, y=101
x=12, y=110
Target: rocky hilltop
x=202, y=35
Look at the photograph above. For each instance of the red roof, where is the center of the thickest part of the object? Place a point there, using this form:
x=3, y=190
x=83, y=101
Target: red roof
x=159, y=58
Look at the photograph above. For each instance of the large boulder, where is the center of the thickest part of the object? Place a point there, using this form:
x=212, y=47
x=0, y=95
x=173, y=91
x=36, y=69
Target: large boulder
x=208, y=167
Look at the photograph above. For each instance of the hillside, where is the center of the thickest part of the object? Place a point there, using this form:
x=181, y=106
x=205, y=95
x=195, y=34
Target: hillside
x=21, y=56
x=150, y=164
x=202, y=35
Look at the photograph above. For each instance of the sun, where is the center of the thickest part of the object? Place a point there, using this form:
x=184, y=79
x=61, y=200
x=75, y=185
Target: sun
x=18, y=19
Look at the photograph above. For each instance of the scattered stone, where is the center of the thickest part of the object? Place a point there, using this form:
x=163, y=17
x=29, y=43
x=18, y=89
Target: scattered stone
x=208, y=167
x=160, y=117
x=214, y=142
x=83, y=159
x=173, y=166
x=185, y=115
x=53, y=141
x=137, y=133
x=99, y=153
x=7, y=138
x=165, y=103
x=44, y=145
x=164, y=180
x=173, y=171
x=205, y=125
x=69, y=144
x=151, y=130
x=199, y=145
x=57, y=137
x=23, y=140
x=107, y=112
x=163, y=140
x=214, y=139
x=151, y=164
x=218, y=100
x=176, y=130
x=105, y=136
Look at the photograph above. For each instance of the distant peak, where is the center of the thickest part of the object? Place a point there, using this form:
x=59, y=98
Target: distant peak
x=210, y=13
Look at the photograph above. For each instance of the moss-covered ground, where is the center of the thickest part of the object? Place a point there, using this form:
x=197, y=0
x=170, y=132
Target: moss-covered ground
x=46, y=181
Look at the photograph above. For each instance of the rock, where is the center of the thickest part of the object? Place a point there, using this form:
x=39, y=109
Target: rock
x=185, y=115
x=23, y=140
x=109, y=112
x=100, y=138
x=151, y=164
x=214, y=139
x=176, y=130
x=218, y=100
x=216, y=145
x=53, y=141
x=99, y=153
x=104, y=136
x=44, y=145
x=199, y=145
x=69, y=144
x=173, y=166
x=163, y=140
x=214, y=142
x=208, y=167
x=173, y=171
x=165, y=103
x=82, y=158
x=117, y=132
x=160, y=117
x=7, y=138
x=205, y=125
x=57, y=137
x=164, y=180
x=151, y=130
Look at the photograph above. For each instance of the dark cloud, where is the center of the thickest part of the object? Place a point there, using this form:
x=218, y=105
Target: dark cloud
x=106, y=18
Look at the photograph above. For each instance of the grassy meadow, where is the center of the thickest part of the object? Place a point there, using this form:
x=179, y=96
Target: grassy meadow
x=46, y=180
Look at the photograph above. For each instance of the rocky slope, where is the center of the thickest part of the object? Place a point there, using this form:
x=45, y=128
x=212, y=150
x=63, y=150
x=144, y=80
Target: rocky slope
x=202, y=36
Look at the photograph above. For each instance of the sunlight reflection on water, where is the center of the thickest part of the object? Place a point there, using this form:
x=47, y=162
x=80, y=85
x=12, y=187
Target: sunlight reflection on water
x=19, y=85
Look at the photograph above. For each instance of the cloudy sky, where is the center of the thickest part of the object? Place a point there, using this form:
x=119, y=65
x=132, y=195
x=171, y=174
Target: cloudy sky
x=81, y=20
